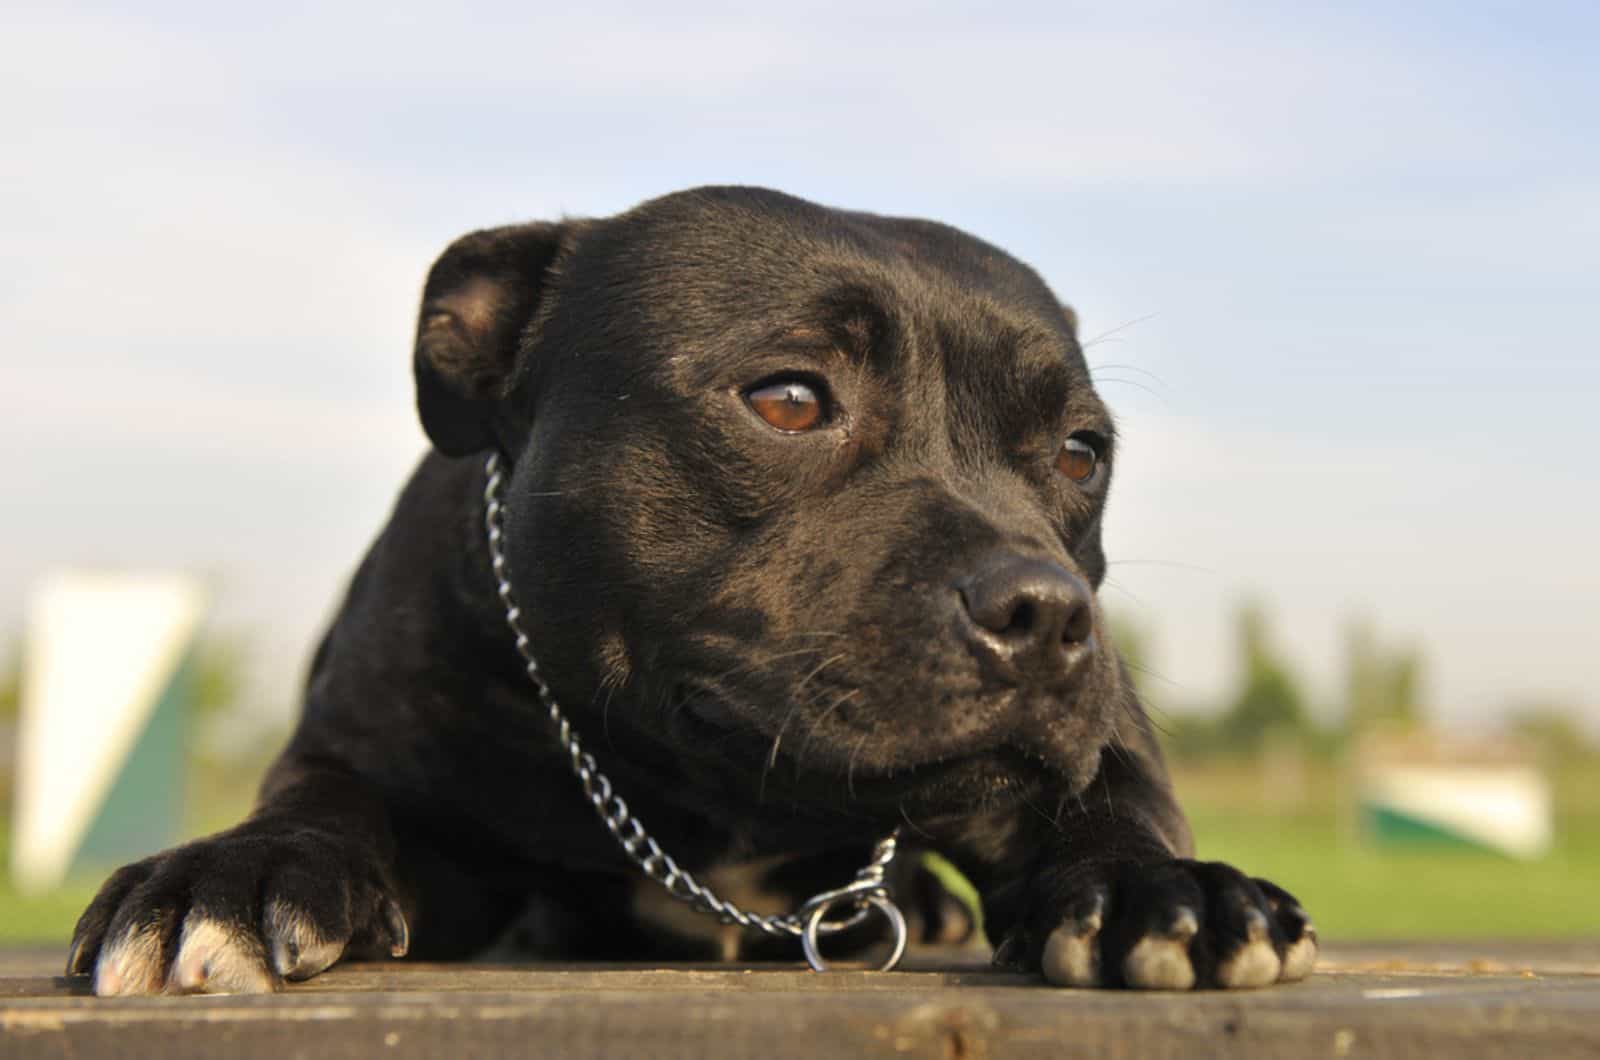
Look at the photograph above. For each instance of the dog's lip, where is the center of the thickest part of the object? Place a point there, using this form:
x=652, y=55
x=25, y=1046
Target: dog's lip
x=705, y=703
x=1005, y=766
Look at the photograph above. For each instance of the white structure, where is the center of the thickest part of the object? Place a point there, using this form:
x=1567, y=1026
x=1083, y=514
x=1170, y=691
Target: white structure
x=99, y=753
x=1422, y=792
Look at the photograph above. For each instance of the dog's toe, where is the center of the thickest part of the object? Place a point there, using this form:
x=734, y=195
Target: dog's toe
x=216, y=957
x=1254, y=961
x=299, y=949
x=1298, y=934
x=1160, y=959
x=1072, y=952
x=1300, y=957
x=131, y=962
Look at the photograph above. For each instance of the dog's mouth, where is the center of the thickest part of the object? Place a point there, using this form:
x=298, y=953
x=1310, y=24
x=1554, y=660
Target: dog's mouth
x=983, y=777
x=705, y=722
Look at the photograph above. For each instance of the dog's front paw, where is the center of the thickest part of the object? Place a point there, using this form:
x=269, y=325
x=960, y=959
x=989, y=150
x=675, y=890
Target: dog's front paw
x=236, y=913
x=1170, y=926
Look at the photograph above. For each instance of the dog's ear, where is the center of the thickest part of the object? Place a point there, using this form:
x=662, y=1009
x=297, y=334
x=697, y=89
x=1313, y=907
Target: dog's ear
x=480, y=297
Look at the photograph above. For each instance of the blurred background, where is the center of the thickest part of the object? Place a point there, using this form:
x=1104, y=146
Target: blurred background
x=1336, y=269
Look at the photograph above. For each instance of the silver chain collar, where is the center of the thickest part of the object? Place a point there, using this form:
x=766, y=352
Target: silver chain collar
x=867, y=892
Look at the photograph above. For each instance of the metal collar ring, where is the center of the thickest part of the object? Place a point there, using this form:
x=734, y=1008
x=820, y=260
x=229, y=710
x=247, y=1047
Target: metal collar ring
x=878, y=900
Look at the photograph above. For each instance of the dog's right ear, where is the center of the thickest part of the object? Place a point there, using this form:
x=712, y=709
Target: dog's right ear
x=480, y=297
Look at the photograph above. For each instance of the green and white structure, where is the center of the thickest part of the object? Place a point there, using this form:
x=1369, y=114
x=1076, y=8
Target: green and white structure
x=106, y=677
x=1505, y=808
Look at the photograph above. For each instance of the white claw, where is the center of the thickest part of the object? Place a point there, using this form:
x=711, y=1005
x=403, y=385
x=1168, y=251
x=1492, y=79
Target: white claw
x=298, y=950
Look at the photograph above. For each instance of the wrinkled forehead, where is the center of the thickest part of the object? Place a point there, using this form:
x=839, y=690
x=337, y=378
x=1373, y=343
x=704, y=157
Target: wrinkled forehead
x=705, y=278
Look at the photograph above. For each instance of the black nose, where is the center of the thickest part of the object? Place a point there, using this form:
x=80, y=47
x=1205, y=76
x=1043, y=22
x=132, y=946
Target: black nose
x=1031, y=616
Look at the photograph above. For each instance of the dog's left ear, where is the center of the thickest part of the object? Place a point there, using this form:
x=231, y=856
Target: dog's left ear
x=479, y=300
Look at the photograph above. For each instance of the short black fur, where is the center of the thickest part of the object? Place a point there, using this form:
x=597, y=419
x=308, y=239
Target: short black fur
x=767, y=639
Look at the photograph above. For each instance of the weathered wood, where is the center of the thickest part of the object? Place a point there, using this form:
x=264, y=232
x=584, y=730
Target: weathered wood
x=1497, y=1000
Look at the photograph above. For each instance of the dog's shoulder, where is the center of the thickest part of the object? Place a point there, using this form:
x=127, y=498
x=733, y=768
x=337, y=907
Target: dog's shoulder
x=421, y=600
x=434, y=531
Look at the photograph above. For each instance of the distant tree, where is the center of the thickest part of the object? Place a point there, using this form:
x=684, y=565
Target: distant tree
x=218, y=673
x=1268, y=700
x=10, y=711
x=11, y=683
x=1132, y=642
x=1382, y=685
x=1555, y=730
x=1192, y=736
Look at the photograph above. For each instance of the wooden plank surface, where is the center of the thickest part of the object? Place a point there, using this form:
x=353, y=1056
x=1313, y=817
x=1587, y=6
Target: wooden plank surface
x=1443, y=1000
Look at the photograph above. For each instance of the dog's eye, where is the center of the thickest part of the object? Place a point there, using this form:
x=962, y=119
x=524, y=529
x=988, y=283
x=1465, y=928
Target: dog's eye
x=789, y=405
x=1078, y=460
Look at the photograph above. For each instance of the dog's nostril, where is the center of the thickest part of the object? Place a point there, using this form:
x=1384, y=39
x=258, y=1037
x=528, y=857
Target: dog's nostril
x=1023, y=619
x=1079, y=626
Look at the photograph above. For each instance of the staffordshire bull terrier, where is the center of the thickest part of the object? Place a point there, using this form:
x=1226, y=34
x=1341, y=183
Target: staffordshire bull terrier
x=796, y=513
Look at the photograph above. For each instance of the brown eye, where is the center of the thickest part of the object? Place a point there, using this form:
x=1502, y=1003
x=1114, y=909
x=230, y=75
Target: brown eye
x=789, y=406
x=1077, y=460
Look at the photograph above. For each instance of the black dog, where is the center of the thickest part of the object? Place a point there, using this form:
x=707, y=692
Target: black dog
x=802, y=512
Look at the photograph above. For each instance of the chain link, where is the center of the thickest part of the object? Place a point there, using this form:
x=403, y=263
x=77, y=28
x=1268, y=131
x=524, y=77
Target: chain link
x=869, y=890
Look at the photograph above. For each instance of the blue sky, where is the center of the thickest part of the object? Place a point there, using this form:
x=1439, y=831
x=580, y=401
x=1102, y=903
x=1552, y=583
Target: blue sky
x=1350, y=258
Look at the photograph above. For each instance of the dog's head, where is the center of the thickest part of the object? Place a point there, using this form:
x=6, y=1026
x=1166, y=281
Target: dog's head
x=809, y=497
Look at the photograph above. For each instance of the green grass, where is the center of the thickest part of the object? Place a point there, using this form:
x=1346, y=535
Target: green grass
x=46, y=919
x=1310, y=846
x=1355, y=892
